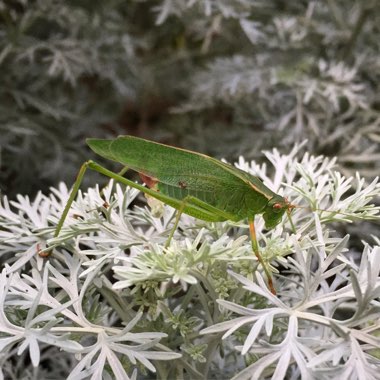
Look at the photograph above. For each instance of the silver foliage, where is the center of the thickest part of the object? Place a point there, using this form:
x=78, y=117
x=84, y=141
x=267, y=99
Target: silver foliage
x=116, y=302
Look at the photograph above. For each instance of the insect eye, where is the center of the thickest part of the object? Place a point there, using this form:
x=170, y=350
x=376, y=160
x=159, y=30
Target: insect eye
x=277, y=206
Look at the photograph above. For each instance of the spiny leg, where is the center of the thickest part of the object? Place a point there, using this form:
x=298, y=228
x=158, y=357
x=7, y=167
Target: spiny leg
x=72, y=196
x=178, y=204
x=205, y=211
x=74, y=192
x=198, y=208
x=94, y=166
x=288, y=213
x=255, y=247
x=176, y=222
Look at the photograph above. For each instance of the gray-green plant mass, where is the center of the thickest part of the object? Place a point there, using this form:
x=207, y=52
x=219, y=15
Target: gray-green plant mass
x=112, y=302
x=256, y=74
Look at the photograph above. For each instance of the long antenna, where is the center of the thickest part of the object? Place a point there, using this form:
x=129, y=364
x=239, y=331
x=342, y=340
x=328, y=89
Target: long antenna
x=324, y=210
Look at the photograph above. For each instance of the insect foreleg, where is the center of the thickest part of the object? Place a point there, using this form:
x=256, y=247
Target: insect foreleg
x=288, y=213
x=255, y=247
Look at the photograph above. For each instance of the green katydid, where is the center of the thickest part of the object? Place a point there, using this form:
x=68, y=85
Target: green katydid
x=191, y=182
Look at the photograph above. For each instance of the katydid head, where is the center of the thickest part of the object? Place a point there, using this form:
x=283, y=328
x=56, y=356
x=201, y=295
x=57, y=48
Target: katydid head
x=275, y=209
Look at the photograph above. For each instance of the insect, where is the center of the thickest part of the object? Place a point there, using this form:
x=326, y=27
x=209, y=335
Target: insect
x=192, y=183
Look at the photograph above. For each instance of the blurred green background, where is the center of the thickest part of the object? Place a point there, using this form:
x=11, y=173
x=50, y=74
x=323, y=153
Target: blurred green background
x=224, y=77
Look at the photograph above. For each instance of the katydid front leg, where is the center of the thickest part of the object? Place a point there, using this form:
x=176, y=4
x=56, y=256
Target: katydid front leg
x=255, y=248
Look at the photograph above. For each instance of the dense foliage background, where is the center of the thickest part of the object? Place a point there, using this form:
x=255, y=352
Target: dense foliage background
x=228, y=78
x=219, y=76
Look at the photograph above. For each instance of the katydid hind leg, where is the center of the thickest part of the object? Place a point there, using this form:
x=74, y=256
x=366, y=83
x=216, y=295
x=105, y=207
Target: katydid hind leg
x=94, y=166
x=200, y=208
x=72, y=196
x=219, y=215
x=204, y=208
x=256, y=250
x=120, y=173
